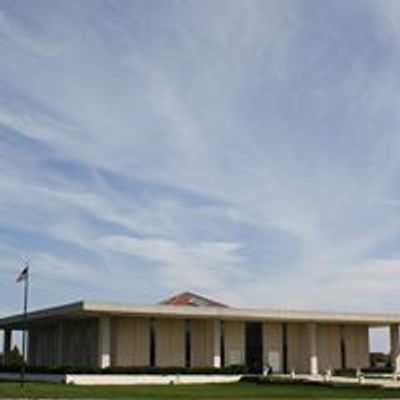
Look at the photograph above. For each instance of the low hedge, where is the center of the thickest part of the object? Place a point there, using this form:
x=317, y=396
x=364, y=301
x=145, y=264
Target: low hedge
x=352, y=372
x=263, y=380
x=378, y=370
x=66, y=369
x=279, y=380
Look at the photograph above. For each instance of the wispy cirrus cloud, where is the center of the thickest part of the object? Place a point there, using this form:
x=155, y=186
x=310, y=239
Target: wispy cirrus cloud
x=205, y=266
x=255, y=159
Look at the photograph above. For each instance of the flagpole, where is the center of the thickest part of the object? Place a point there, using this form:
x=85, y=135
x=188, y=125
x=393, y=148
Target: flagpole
x=25, y=327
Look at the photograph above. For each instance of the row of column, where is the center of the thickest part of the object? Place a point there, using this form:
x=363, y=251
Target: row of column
x=104, y=340
x=104, y=353
x=104, y=358
x=394, y=348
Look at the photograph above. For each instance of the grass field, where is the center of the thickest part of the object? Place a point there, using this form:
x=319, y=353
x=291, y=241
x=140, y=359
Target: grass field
x=204, y=392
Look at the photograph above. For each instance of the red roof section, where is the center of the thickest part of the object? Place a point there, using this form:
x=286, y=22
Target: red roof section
x=192, y=299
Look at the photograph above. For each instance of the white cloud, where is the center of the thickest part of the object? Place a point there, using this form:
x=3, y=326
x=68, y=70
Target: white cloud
x=252, y=113
x=198, y=266
x=389, y=11
x=49, y=267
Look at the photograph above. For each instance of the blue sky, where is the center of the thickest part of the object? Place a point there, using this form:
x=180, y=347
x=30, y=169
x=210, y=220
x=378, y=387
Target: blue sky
x=246, y=150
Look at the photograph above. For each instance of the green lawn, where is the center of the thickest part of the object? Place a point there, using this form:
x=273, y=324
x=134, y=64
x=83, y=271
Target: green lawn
x=204, y=392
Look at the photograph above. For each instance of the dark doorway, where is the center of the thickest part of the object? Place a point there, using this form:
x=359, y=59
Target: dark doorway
x=284, y=348
x=254, y=347
x=152, y=343
x=342, y=347
x=188, y=343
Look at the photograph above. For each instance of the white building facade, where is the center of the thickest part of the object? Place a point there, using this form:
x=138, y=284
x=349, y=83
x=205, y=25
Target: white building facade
x=196, y=334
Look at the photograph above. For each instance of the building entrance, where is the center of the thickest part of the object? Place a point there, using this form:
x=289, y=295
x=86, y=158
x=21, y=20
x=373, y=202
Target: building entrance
x=254, y=347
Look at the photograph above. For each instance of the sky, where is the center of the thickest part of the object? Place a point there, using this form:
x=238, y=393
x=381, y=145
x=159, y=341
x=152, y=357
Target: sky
x=244, y=150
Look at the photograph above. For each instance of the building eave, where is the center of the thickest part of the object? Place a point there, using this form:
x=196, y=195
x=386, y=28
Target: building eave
x=95, y=309
x=167, y=311
x=17, y=320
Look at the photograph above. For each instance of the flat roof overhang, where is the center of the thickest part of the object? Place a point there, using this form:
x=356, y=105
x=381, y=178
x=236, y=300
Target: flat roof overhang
x=87, y=309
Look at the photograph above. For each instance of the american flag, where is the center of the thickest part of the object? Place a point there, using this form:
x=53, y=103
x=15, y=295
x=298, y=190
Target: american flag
x=23, y=276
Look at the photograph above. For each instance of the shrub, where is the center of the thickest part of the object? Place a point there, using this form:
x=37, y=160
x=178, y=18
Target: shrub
x=278, y=380
x=345, y=372
x=269, y=380
x=378, y=370
x=130, y=370
x=352, y=372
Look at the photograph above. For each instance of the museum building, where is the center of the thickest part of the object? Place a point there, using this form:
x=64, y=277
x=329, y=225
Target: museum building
x=189, y=330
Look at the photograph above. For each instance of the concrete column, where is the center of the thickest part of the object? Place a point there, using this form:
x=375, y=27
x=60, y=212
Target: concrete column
x=104, y=342
x=273, y=345
x=217, y=344
x=395, y=348
x=312, y=329
x=7, y=345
